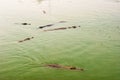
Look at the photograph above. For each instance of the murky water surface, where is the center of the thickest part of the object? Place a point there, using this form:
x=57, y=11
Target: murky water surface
x=94, y=46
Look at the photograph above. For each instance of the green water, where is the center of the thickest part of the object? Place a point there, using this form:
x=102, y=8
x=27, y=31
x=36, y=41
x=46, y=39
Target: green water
x=95, y=46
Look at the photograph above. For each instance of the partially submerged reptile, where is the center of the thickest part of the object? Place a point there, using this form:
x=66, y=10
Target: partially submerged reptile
x=23, y=23
x=26, y=39
x=62, y=28
x=57, y=66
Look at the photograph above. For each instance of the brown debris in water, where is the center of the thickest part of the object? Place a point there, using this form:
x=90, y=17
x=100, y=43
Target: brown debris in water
x=57, y=66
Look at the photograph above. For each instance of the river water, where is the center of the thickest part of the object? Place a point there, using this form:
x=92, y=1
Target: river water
x=95, y=46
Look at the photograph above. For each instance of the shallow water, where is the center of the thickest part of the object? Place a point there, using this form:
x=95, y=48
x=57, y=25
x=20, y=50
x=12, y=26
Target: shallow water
x=95, y=46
